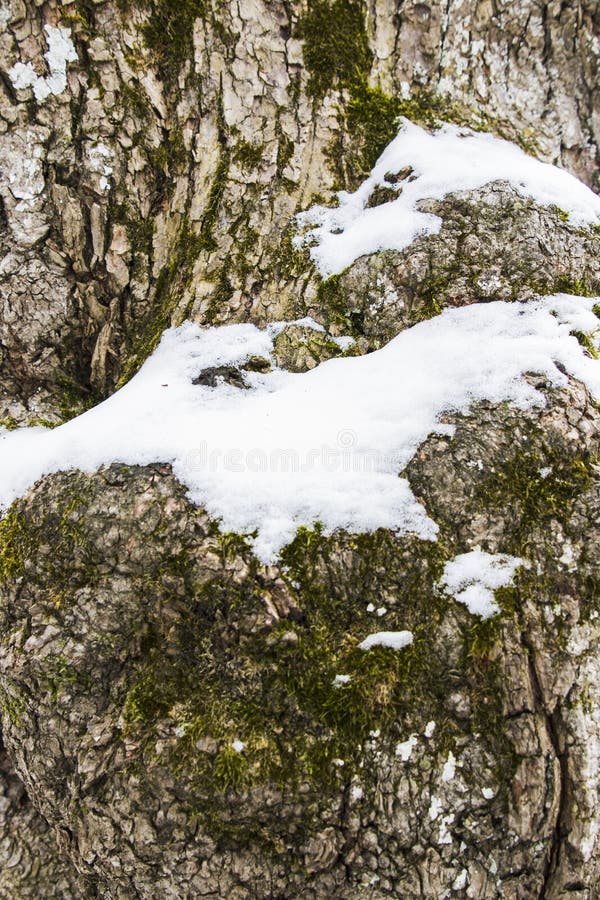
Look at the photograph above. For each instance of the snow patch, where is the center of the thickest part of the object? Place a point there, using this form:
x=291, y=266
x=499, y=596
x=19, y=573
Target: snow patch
x=395, y=640
x=453, y=159
x=60, y=52
x=326, y=445
x=472, y=577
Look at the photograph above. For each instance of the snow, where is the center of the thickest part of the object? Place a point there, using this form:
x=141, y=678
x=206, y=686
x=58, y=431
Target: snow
x=488, y=793
x=275, y=328
x=453, y=159
x=396, y=640
x=266, y=460
x=238, y=746
x=472, y=578
x=60, y=52
x=341, y=680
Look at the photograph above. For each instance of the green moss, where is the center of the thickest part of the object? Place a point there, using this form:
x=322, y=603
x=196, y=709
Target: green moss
x=291, y=263
x=9, y=422
x=13, y=707
x=169, y=157
x=231, y=769
x=168, y=33
x=285, y=152
x=532, y=496
x=336, y=46
x=75, y=397
x=579, y=287
x=72, y=561
x=135, y=101
x=380, y=195
x=586, y=342
x=431, y=295
x=170, y=286
x=61, y=676
x=218, y=676
x=332, y=300
x=372, y=122
x=15, y=541
x=220, y=296
x=248, y=155
x=81, y=19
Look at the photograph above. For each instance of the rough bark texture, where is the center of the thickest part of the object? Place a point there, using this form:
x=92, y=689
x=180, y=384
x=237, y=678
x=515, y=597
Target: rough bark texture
x=162, y=181
x=137, y=641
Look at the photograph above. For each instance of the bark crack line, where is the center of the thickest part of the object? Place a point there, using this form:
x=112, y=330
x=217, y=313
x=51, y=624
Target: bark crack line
x=552, y=723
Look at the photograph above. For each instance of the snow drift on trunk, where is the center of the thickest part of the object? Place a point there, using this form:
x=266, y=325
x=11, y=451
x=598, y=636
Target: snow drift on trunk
x=327, y=445
x=432, y=166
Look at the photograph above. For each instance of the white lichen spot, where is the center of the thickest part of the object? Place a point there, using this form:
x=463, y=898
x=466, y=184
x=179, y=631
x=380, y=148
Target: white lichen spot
x=429, y=729
x=460, y=882
x=381, y=611
x=99, y=156
x=340, y=680
x=445, y=837
x=238, y=746
x=60, y=52
x=356, y=792
x=435, y=808
x=568, y=556
x=449, y=770
x=405, y=748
